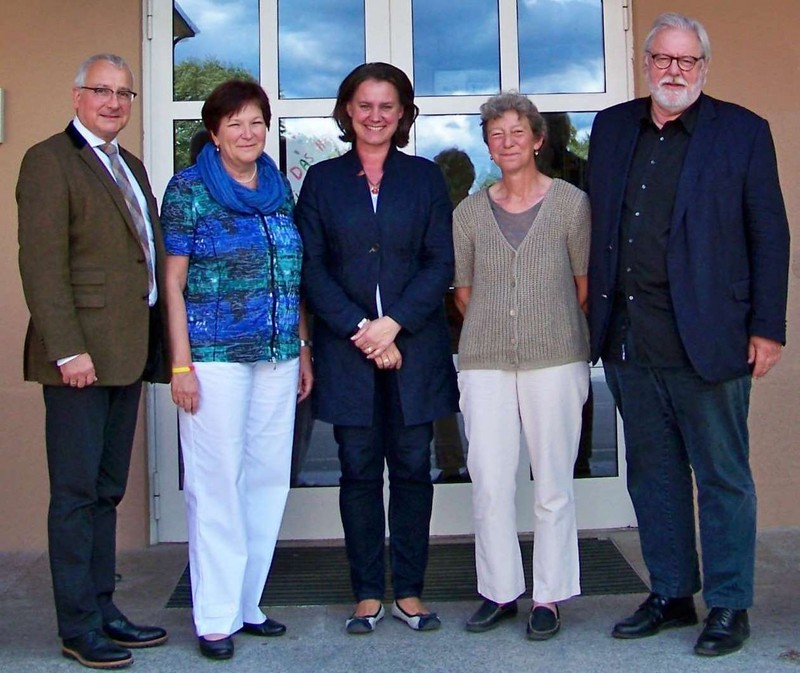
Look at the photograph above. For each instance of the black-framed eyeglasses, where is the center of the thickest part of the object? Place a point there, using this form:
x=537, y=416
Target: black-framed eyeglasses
x=664, y=61
x=105, y=94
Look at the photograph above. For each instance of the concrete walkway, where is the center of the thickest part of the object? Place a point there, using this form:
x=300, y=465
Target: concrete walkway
x=316, y=641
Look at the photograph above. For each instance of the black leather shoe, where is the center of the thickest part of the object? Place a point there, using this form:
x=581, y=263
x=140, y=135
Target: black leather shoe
x=490, y=614
x=95, y=650
x=543, y=623
x=656, y=613
x=269, y=627
x=124, y=632
x=216, y=649
x=725, y=631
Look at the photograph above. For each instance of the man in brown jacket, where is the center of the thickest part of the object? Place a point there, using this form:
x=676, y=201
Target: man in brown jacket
x=90, y=258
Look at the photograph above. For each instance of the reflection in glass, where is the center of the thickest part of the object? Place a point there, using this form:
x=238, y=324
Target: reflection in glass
x=184, y=131
x=566, y=148
x=597, y=451
x=561, y=46
x=456, y=47
x=435, y=133
x=319, y=42
x=306, y=141
x=213, y=42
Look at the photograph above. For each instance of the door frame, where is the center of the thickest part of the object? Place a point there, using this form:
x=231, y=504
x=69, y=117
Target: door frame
x=312, y=512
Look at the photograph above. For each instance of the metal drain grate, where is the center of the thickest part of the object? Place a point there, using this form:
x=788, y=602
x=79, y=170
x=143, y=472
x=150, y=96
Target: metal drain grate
x=320, y=575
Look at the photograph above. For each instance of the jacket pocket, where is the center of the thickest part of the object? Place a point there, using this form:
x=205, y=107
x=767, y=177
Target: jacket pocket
x=88, y=288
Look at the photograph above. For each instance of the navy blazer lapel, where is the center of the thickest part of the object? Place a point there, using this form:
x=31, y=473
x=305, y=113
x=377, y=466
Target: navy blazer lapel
x=626, y=140
x=696, y=160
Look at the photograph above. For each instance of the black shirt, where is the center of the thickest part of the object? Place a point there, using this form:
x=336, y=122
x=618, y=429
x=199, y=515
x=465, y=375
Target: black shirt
x=643, y=327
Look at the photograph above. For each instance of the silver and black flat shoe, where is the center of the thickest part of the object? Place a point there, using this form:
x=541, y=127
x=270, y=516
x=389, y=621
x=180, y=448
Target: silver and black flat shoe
x=358, y=625
x=422, y=622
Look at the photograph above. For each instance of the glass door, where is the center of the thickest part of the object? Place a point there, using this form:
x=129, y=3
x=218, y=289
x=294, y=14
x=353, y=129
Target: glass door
x=569, y=56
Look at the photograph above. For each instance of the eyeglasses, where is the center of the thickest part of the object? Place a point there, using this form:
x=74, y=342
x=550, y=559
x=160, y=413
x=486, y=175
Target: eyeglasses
x=105, y=94
x=664, y=61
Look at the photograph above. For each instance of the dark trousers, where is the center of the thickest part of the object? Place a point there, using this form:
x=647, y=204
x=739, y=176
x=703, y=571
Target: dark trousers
x=676, y=424
x=89, y=434
x=406, y=450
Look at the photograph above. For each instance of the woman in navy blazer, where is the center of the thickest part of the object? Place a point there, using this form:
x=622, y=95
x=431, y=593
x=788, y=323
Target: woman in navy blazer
x=376, y=228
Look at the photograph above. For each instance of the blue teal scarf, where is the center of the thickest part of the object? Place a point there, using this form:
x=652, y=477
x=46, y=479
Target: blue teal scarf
x=268, y=196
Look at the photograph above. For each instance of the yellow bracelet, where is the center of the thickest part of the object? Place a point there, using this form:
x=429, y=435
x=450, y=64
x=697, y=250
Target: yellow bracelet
x=183, y=370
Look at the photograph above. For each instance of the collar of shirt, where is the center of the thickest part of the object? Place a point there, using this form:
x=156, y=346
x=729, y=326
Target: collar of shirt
x=688, y=118
x=93, y=140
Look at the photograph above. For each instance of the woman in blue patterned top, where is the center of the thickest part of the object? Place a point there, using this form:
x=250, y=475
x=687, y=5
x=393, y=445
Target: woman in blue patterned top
x=240, y=357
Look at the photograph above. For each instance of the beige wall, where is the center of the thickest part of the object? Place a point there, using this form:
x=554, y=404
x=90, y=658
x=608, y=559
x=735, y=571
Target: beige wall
x=756, y=63
x=40, y=49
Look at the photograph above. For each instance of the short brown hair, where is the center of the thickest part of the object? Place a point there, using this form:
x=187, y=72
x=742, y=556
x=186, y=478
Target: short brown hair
x=230, y=97
x=380, y=72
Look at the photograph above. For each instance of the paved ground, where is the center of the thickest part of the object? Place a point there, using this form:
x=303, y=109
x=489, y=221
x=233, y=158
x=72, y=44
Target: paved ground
x=316, y=641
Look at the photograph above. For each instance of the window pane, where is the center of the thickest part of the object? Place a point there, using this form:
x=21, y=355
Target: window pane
x=306, y=141
x=214, y=41
x=597, y=451
x=456, y=135
x=185, y=146
x=561, y=46
x=319, y=42
x=564, y=153
x=456, y=47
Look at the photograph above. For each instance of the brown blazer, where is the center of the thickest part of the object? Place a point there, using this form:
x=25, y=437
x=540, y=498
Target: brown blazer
x=83, y=270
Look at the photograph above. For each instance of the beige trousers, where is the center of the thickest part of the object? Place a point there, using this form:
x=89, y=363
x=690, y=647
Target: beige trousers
x=543, y=407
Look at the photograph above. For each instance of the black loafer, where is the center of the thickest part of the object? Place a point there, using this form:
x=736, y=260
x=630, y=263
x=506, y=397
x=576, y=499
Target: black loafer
x=489, y=615
x=269, y=628
x=95, y=650
x=543, y=623
x=656, y=613
x=216, y=649
x=127, y=634
x=725, y=632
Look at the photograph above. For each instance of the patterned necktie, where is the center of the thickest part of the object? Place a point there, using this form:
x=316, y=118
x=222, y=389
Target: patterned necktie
x=133, y=206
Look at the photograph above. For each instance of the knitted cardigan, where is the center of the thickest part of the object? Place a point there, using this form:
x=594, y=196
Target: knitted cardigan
x=523, y=312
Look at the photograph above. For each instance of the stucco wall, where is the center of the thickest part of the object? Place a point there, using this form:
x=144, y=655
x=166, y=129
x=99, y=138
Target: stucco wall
x=756, y=63
x=42, y=44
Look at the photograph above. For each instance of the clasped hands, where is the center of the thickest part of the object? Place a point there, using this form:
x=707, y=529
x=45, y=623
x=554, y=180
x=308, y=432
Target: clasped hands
x=376, y=340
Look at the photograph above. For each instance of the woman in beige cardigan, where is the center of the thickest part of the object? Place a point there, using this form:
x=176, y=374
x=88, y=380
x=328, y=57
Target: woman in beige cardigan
x=522, y=249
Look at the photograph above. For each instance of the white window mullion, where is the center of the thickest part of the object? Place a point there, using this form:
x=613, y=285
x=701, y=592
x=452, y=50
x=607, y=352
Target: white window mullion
x=509, y=45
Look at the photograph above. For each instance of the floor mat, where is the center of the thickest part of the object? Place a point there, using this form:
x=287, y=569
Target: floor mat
x=319, y=575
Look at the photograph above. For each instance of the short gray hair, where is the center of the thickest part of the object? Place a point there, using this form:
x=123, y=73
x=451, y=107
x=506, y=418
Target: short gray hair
x=679, y=22
x=512, y=101
x=113, y=59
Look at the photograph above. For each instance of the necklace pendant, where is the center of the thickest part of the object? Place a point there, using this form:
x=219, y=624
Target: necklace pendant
x=375, y=189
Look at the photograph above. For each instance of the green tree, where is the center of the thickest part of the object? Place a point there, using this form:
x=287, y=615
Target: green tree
x=195, y=79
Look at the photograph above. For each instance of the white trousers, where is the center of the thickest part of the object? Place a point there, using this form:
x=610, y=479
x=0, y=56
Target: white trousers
x=237, y=450
x=544, y=406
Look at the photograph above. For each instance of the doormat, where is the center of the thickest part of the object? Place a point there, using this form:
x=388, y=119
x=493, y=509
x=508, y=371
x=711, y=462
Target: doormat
x=320, y=575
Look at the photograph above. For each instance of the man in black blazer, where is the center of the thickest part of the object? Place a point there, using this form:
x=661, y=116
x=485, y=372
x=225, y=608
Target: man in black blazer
x=90, y=259
x=687, y=289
